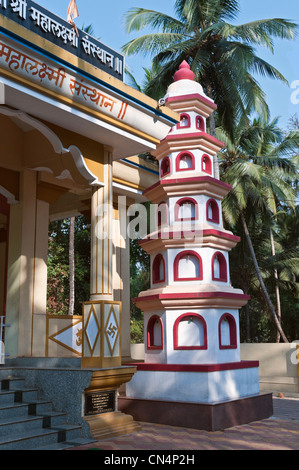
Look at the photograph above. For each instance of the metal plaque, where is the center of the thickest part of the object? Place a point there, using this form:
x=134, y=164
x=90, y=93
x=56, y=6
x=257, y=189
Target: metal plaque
x=99, y=402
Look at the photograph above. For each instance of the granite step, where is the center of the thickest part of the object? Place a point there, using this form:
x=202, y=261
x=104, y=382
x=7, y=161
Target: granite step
x=12, y=383
x=66, y=445
x=35, y=438
x=20, y=424
x=29, y=423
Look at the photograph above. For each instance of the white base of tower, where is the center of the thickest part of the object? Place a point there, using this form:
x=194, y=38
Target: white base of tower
x=211, y=383
x=207, y=397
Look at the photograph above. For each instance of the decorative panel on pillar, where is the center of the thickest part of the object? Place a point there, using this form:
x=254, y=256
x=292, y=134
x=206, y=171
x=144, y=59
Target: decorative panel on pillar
x=101, y=334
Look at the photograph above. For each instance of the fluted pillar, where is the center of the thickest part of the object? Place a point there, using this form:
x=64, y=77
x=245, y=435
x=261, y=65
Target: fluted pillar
x=102, y=315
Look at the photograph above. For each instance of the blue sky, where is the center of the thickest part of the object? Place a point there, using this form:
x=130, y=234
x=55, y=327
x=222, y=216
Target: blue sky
x=107, y=16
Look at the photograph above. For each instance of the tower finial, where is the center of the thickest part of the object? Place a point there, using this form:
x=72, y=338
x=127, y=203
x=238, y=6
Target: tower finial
x=184, y=72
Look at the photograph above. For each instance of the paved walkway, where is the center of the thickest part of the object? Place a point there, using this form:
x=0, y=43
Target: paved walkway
x=280, y=432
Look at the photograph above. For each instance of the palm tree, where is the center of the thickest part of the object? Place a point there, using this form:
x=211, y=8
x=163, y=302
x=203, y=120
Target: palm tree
x=287, y=240
x=72, y=265
x=255, y=162
x=221, y=54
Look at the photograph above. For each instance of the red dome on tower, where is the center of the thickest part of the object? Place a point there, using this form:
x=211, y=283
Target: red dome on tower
x=184, y=72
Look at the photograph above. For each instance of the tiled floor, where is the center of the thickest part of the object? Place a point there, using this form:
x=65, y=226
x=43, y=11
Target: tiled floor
x=280, y=432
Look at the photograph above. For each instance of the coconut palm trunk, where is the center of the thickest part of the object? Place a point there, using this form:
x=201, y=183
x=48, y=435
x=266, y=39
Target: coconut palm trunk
x=72, y=265
x=277, y=293
x=265, y=292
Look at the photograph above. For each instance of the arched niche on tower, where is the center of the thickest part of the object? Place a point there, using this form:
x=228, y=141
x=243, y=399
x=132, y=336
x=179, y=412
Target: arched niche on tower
x=154, y=333
x=200, y=123
x=165, y=167
x=158, y=269
x=212, y=211
x=162, y=214
x=227, y=331
x=186, y=209
x=185, y=161
x=219, y=267
x=185, y=121
x=188, y=266
x=190, y=332
x=206, y=164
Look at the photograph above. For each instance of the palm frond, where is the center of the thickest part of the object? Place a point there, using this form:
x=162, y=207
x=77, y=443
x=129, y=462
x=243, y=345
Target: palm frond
x=262, y=32
x=137, y=19
x=132, y=80
x=151, y=44
x=207, y=11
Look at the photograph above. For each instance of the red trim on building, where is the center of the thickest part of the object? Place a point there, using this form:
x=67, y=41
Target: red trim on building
x=220, y=234
x=193, y=295
x=195, y=367
x=192, y=96
x=190, y=180
x=194, y=135
x=180, y=234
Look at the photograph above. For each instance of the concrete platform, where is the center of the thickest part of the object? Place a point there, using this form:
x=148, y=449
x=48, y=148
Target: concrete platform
x=208, y=417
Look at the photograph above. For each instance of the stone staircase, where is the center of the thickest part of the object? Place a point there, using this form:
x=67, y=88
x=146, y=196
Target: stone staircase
x=27, y=423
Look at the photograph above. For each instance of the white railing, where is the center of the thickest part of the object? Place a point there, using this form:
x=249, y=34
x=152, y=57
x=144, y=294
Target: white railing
x=2, y=348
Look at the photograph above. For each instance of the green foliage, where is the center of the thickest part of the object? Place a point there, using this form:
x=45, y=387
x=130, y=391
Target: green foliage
x=256, y=324
x=58, y=265
x=58, y=269
x=222, y=55
x=139, y=281
x=257, y=163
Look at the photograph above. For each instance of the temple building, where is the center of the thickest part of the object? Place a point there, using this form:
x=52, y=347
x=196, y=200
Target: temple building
x=71, y=137
x=71, y=133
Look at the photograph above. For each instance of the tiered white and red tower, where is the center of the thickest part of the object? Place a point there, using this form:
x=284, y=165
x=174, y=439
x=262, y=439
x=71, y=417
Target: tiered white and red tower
x=191, y=311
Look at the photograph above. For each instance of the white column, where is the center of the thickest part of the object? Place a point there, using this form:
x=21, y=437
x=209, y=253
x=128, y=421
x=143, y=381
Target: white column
x=39, y=301
x=27, y=270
